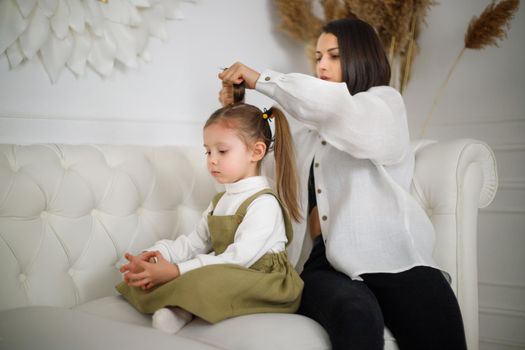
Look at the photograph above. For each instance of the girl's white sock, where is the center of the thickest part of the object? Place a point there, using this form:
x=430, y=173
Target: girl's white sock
x=171, y=320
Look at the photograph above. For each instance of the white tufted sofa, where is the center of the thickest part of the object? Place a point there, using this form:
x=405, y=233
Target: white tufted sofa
x=69, y=212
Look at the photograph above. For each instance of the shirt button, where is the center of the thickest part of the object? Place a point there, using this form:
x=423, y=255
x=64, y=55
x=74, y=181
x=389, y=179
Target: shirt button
x=323, y=142
x=266, y=78
x=319, y=190
x=316, y=165
x=324, y=218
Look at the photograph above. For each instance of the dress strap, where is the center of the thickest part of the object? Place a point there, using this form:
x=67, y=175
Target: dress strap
x=216, y=200
x=243, y=208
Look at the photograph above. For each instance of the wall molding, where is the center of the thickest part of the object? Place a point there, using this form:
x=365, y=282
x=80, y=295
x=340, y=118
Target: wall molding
x=505, y=342
x=500, y=311
x=512, y=184
x=32, y=129
x=502, y=210
x=508, y=147
x=94, y=118
x=474, y=120
x=501, y=284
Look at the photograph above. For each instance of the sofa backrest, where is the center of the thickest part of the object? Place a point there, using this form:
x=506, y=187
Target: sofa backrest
x=68, y=213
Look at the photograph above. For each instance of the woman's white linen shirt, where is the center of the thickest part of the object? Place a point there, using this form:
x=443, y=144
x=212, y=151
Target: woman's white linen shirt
x=261, y=231
x=363, y=170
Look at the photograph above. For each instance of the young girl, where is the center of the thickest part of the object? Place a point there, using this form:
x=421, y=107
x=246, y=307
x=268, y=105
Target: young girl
x=235, y=260
x=371, y=264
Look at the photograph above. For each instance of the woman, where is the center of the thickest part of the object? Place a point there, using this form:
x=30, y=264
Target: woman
x=371, y=264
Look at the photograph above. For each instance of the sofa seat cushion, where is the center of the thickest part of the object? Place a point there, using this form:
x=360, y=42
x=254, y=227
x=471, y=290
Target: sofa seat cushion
x=57, y=328
x=115, y=308
x=259, y=331
x=250, y=332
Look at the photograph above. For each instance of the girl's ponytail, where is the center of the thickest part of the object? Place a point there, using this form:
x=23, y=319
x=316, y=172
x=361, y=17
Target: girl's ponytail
x=252, y=125
x=285, y=166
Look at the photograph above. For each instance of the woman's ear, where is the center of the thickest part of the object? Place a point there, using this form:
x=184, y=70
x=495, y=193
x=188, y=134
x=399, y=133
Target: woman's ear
x=258, y=151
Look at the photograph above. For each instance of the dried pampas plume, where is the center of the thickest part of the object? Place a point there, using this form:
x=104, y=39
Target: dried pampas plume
x=298, y=20
x=491, y=25
x=397, y=23
x=485, y=30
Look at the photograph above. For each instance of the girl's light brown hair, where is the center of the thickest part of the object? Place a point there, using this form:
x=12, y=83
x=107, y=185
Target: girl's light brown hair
x=252, y=126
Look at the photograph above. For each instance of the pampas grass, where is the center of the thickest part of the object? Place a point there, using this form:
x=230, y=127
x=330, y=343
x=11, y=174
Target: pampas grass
x=397, y=23
x=298, y=20
x=492, y=25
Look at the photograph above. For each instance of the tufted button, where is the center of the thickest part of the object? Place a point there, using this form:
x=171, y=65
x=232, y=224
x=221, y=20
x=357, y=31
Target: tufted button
x=94, y=212
x=266, y=78
x=22, y=278
x=319, y=190
x=324, y=218
x=70, y=272
x=323, y=143
x=140, y=210
x=316, y=165
x=44, y=215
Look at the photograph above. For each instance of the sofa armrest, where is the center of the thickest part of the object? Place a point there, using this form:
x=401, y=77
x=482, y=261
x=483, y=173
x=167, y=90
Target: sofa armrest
x=452, y=180
x=450, y=161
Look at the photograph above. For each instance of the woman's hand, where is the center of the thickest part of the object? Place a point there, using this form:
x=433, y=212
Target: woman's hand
x=236, y=74
x=149, y=273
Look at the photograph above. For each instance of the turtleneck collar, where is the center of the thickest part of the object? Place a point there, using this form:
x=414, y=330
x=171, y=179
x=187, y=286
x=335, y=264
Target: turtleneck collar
x=248, y=184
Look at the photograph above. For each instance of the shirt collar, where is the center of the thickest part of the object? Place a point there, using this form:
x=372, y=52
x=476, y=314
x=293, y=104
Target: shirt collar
x=248, y=184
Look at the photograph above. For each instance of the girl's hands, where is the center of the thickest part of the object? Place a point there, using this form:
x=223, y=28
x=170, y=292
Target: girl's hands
x=134, y=266
x=142, y=271
x=236, y=74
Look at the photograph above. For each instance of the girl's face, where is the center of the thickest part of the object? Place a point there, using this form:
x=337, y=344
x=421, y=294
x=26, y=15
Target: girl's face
x=328, y=64
x=228, y=158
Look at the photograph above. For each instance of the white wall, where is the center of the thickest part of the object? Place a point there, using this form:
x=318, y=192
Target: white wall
x=484, y=99
x=163, y=102
x=166, y=102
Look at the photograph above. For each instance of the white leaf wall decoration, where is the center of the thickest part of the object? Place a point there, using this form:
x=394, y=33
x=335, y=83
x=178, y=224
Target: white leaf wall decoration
x=12, y=24
x=82, y=33
x=14, y=54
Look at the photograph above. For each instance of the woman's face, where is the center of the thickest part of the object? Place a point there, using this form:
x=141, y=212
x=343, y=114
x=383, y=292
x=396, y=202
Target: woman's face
x=328, y=64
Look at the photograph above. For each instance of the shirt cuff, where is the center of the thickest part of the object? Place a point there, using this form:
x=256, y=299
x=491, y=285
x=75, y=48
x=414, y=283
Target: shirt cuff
x=162, y=249
x=266, y=82
x=189, y=265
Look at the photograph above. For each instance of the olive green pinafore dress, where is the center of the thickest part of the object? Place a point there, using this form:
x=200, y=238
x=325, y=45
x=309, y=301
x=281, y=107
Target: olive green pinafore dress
x=218, y=292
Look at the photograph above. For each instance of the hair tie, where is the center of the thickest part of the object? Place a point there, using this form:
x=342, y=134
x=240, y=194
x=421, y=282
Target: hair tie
x=267, y=114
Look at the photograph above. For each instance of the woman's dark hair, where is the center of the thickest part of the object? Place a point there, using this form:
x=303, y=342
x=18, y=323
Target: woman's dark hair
x=364, y=63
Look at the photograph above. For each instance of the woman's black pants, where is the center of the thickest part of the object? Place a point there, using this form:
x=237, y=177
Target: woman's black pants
x=418, y=307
